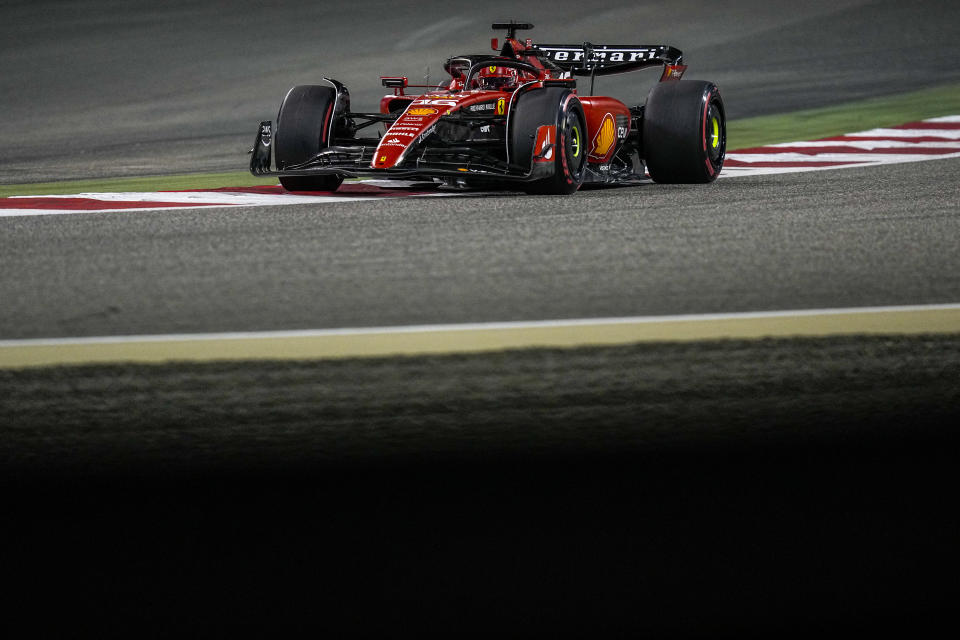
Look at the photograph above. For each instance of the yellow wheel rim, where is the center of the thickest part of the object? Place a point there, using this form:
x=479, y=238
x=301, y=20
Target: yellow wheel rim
x=715, y=137
x=575, y=140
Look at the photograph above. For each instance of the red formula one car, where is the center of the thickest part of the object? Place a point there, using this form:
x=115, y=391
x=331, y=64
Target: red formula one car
x=513, y=120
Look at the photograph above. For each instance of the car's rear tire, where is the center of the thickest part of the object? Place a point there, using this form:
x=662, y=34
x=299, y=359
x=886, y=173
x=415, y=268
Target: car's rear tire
x=551, y=106
x=304, y=127
x=684, y=132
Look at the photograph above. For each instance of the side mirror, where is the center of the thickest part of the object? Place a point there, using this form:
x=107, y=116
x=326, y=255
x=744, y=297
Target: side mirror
x=397, y=84
x=495, y=44
x=393, y=83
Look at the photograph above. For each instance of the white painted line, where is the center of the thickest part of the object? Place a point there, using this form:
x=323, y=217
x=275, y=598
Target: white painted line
x=740, y=172
x=867, y=145
x=479, y=326
x=204, y=199
x=27, y=213
x=257, y=201
x=199, y=197
x=477, y=337
x=888, y=158
x=949, y=134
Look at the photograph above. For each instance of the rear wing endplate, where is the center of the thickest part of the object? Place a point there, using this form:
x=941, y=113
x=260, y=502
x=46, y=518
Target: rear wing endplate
x=605, y=59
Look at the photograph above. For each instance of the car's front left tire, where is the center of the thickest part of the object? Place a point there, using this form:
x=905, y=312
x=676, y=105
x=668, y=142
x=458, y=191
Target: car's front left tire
x=304, y=128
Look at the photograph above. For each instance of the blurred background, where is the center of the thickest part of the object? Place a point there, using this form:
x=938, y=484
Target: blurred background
x=104, y=88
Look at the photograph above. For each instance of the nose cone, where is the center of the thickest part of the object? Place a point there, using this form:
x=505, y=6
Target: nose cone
x=414, y=124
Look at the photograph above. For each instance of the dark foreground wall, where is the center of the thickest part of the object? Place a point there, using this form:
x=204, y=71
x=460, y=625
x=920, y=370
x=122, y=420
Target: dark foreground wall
x=723, y=488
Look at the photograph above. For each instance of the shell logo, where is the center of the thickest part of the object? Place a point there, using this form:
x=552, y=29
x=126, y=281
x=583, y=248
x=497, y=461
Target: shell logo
x=422, y=111
x=606, y=136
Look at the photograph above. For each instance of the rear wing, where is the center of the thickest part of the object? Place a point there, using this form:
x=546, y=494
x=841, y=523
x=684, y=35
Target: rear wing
x=606, y=59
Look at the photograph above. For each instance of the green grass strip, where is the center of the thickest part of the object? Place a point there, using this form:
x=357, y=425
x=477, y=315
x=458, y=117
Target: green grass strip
x=812, y=124
x=809, y=124
x=145, y=183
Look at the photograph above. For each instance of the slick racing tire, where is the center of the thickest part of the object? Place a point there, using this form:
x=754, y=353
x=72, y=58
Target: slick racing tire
x=304, y=127
x=551, y=106
x=684, y=132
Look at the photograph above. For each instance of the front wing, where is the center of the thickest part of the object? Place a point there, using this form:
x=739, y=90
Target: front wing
x=353, y=159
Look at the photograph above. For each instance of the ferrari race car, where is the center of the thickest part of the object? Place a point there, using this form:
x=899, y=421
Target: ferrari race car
x=510, y=120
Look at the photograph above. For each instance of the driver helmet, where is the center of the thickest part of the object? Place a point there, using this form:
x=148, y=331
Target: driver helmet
x=497, y=78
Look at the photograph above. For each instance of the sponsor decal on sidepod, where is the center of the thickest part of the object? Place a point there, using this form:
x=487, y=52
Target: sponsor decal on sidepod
x=606, y=135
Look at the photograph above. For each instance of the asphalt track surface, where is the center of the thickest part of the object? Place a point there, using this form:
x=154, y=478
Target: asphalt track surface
x=857, y=237
x=749, y=244
x=714, y=489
